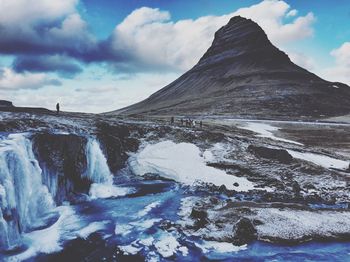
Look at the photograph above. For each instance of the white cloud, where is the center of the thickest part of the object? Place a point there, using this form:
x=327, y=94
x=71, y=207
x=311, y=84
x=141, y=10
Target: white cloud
x=28, y=12
x=10, y=80
x=292, y=13
x=152, y=39
x=93, y=96
x=302, y=60
x=341, y=70
x=269, y=14
x=43, y=27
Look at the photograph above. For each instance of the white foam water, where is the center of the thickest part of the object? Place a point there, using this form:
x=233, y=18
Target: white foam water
x=24, y=199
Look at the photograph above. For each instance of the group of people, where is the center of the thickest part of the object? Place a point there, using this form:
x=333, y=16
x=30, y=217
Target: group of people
x=187, y=122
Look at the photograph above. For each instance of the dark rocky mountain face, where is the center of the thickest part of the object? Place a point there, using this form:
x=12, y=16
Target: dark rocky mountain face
x=7, y=106
x=5, y=103
x=243, y=74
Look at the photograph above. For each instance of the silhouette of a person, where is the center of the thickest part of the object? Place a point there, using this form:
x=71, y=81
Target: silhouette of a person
x=58, y=108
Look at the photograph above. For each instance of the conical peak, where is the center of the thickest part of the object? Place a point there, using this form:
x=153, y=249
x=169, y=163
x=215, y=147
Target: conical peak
x=241, y=37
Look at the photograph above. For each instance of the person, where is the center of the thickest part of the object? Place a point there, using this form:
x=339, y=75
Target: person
x=58, y=108
x=201, y=124
x=172, y=120
x=194, y=123
x=182, y=122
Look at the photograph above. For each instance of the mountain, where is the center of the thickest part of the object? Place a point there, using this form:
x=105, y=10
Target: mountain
x=243, y=75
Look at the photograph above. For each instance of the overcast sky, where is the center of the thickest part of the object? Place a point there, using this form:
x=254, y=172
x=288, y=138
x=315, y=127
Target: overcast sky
x=99, y=55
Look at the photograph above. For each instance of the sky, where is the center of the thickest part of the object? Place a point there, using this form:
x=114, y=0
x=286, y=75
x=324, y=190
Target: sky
x=101, y=55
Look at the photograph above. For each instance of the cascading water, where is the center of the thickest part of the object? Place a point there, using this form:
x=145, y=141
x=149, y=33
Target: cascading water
x=97, y=167
x=24, y=197
x=99, y=173
x=24, y=200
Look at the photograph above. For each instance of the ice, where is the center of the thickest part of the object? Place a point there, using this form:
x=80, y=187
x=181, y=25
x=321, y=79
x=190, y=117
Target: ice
x=145, y=224
x=167, y=245
x=108, y=190
x=183, y=163
x=321, y=160
x=91, y=228
x=266, y=130
x=148, y=208
x=122, y=229
x=219, y=247
x=130, y=249
x=147, y=241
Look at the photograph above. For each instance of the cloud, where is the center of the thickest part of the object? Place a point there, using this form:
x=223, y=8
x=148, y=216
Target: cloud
x=63, y=65
x=341, y=70
x=146, y=40
x=150, y=39
x=44, y=27
x=10, y=80
x=270, y=14
x=302, y=60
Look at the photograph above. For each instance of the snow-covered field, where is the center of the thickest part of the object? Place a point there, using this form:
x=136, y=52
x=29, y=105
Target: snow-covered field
x=183, y=162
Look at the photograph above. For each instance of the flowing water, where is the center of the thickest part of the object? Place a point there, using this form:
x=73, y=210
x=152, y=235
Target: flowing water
x=128, y=218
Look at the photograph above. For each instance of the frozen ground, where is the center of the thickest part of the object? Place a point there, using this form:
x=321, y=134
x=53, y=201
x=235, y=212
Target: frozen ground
x=168, y=202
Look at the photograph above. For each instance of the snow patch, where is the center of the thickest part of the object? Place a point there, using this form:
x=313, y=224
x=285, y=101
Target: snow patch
x=320, y=160
x=148, y=208
x=183, y=163
x=130, y=249
x=91, y=228
x=298, y=224
x=122, y=229
x=266, y=130
x=167, y=245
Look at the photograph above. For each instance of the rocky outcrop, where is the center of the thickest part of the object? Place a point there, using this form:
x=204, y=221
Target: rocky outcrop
x=280, y=155
x=243, y=74
x=5, y=103
x=7, y=106
x=63, y=160
x=244, y=232
x=116, y=143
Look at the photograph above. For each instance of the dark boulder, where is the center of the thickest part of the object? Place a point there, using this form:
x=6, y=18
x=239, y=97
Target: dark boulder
x=280, y=155
x=116, y=143
x=200, y=217
x=63, y=161
x=244, y=232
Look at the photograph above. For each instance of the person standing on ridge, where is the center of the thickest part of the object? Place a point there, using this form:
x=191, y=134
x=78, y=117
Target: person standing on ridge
x=58, y=108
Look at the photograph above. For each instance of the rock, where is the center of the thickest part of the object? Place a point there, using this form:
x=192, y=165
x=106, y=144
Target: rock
x=116, y=143
x=63, y=160
x=244, y=232
x=280, y=155
x=5, y=103
x=296, y=188
x=200, y=216
x=244, y=74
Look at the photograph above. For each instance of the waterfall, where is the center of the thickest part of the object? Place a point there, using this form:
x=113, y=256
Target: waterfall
x=97, y=167
x=23, y=197
x=99, y=173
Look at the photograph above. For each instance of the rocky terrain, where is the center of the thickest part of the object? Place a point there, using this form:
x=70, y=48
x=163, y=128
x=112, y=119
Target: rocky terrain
x=226, y=187
x=243, y=75
x=132, y=186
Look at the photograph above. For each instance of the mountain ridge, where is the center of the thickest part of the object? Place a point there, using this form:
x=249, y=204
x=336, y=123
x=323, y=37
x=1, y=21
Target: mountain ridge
x=244, y=74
